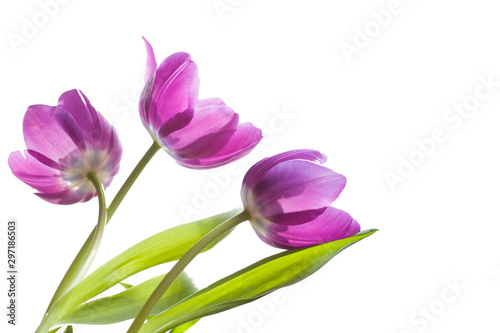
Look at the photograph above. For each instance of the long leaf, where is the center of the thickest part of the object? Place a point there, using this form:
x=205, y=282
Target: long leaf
x=184, y=327
x=127, y=304
x=166, y=246
x=68, y=329
x=251, y=283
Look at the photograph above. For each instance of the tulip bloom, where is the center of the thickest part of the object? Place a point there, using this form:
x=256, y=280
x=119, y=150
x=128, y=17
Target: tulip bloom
x=64, y=144
x=288, y=198
x=198, y=134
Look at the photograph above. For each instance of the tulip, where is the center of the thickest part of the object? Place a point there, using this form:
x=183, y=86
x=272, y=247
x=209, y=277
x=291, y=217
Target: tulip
x=66, y=143
x=198, y=134
x=72, y=154
x=288, y=198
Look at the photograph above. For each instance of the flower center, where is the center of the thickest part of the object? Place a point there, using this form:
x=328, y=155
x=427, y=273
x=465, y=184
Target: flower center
x=79, y=165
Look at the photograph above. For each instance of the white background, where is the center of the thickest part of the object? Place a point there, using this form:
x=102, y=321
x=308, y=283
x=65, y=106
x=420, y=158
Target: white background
x=438, y=225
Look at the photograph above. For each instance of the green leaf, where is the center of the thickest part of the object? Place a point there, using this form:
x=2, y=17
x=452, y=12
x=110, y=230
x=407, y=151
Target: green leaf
x=68, y=329
x=184, y=327
x=127, y=304
x=166, y=246
x=126, y=285
x=251, y=283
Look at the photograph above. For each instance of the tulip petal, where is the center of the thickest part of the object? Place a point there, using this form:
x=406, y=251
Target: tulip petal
x=260, y=168
x=175, y=89
x=298, y=217
x=145, y=102
x=294, y=186
x=150, y=61
x=171, y=67
x=65, y=143
x=44, y=132
x=199, y=134
x=149, y=77
x=208, y=131
x=93, y=126
x=209, y=101
x=76, y=104
x=332, y=225
x=47, y=181
x=113, y=157
x=177, y=122
x=240, y=144
x=68, y=196
x=206, y=146
x=35, y=173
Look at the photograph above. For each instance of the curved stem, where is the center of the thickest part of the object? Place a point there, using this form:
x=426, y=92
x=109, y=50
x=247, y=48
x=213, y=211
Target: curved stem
x=96, y=240
x=77, y=262
x=181, y=265
x=85, y=258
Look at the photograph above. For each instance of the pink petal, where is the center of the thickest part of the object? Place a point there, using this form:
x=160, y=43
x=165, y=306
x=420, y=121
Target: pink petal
x=94, y=127
x=47, y=181
x=145, y=103
x=34, y=173
x=175, y=89
x=240, y=144
x=76, y=104
x=64, y=143
x=150, y=76
x=45, y=131
x=333, y=224
x=205, y=134
x=294, y=186
x=67, y=196
x=260, y=168
x=150, y=61
x=209, y=101
x=114, y=155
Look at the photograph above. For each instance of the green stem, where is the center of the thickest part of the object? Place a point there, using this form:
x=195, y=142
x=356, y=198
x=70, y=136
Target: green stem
x=181, y=265
x=73, y=270
x=87, y=257
x=96, y=241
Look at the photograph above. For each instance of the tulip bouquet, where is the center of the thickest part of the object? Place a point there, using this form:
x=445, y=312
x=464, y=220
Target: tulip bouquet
x=73, y=153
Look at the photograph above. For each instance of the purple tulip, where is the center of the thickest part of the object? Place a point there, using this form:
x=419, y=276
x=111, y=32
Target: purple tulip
x=64, y=144
x=198, y=134
x=288, y=198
